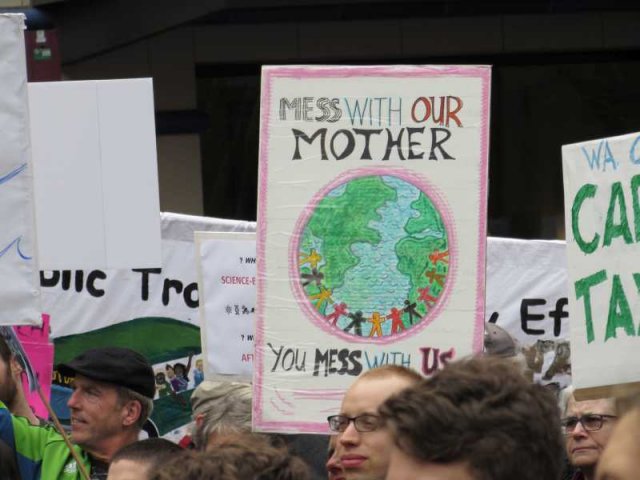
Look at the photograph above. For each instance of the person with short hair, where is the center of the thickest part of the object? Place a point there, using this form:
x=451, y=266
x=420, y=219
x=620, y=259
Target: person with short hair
x=476, y=419
x=112, y=398
x=11, y=391
x=137, y=460
x=220, y=409
x=364, y=443
x=587, y=426
x=245, y=457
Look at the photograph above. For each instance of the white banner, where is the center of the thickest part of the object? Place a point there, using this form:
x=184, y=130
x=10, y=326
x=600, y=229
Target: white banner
x=527, y=297
x=20, y=295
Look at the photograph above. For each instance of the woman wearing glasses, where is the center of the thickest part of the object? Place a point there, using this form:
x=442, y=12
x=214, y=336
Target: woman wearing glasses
x=587, y=426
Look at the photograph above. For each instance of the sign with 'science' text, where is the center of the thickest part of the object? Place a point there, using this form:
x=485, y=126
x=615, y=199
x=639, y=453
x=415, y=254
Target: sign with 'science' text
x=601, y=182
x=227, y=290
x=371, y=246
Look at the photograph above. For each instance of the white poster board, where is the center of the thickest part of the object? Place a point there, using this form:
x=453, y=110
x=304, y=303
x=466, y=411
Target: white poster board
x=20, y=293
x=227, y=290
x=95, y=174
x=602, y=205
x=372, y=215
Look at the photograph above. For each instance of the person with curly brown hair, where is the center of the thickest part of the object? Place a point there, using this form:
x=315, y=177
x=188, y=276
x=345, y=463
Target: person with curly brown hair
x=477, y=419
x=246, y=457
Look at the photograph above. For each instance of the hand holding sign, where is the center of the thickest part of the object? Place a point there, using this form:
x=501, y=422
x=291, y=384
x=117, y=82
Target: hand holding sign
x=15, y=346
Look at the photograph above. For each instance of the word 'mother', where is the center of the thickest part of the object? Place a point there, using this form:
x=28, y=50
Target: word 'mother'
x=407, y=143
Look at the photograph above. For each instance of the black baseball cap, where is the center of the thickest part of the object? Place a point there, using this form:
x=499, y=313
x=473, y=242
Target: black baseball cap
x=117, y=365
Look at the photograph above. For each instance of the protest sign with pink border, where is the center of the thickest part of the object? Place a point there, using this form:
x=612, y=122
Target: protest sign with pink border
x=371, y=229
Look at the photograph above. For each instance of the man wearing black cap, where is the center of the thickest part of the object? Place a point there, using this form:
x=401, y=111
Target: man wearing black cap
x=112, y=398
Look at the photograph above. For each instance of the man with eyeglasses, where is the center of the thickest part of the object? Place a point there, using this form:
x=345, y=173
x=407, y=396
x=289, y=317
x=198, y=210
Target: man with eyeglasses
x=587, y=426
x=364, y=442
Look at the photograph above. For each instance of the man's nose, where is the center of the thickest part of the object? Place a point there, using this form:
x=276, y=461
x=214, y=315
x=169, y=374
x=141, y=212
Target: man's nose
x=579, y=430
x=350, y=435
x=73, y=400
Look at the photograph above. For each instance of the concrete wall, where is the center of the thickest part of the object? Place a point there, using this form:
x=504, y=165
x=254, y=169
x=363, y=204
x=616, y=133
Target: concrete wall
x=170, y=58
x=417, y=38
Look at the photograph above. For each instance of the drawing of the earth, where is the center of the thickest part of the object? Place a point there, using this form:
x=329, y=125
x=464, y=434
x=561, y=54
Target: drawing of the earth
x=373, y=257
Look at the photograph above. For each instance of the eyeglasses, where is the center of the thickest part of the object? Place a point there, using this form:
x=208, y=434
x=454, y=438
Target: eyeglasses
x=590, y=422
x=363, y=423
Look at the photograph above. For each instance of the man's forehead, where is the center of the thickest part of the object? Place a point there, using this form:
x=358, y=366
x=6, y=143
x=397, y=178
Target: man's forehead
x=82, y=381
x=366, y=394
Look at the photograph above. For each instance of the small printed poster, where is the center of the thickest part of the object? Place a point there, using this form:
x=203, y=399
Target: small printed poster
x=227, y=290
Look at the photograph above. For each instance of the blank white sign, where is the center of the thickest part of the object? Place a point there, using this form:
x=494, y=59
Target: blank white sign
x=19, y=281
x=95, y=174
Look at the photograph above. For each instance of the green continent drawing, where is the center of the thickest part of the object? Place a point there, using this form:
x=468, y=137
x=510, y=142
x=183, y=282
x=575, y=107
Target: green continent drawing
x=373, y=256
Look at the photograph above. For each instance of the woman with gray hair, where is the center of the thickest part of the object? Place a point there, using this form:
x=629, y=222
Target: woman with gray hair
x=587, y=426
x=220, y=409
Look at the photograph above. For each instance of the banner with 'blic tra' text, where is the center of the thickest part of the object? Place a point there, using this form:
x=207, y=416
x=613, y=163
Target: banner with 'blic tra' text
x=151, y=310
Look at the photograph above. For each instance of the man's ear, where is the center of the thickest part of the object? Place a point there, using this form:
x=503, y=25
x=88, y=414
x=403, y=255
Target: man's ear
x=131, y=413
x=16, y=368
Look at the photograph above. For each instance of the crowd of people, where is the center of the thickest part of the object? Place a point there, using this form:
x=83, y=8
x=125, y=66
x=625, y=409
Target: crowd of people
x=478, y=418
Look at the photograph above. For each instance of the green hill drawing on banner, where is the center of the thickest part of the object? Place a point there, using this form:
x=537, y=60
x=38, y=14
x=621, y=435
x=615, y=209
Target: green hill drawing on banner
x=159, y=339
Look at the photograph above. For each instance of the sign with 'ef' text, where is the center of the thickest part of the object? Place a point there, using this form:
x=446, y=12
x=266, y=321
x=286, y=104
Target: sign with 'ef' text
x=371, y=246
x=601, y=182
